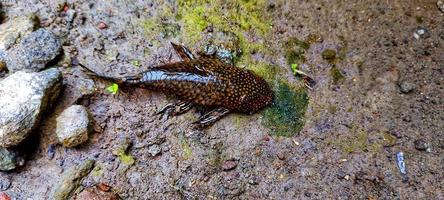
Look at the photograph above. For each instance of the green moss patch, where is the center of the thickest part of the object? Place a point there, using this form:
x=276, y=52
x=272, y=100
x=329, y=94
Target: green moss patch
x=285, y=117
x=336, y=75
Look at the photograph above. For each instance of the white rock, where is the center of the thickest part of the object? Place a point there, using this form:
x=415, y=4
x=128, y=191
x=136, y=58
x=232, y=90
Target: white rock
x=23, y=98
x=72, y=126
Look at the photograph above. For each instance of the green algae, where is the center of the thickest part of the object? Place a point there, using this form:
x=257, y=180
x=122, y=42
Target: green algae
x=240, y=17
x=358, y=141
x=285, y=117
x=336, y=75
x=97, y=171
x=294, y=52
x=187, y=150
x=329, y=55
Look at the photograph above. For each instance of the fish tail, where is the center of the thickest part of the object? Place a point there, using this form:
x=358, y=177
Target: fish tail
x=119, y=80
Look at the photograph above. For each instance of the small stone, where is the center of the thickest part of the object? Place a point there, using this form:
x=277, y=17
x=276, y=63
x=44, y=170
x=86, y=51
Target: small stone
x=14, y=29
x=4, y=196
x=154, y=150
x=51, y=151
x=5, y=182
x=281, y=156
x=421, y=145
x=94, y=193
x=104, y=187
x=72, y=126
x=23, y=98
x=406, y=86
x=421, y=32
x=341, y=174
x=440, y=5
x=71, y=180
x=229, y=165
x=10, y=159
x=224, y=44
x=33, y=53
x=102, y=25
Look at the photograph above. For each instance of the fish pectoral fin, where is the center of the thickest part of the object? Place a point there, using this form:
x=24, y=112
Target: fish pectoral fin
x=174, y=109
x=183, y=52
x=211, y=117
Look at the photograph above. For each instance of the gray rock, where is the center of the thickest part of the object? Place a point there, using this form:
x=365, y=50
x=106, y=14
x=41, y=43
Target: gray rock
x=72, y=126
x=14, y=29
x=23, y=98
x=406, y=87
x=9, y=160
x=33, y=53
x=154, y=149
x=71, y=180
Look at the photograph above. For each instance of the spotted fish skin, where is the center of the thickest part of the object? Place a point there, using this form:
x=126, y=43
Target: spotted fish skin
x=202, y=80
x=208, y=81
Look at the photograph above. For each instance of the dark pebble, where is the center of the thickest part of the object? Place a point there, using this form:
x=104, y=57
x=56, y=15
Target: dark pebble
x=421, y=145
x=51, y=151
x=341, y=174
x=229, y=165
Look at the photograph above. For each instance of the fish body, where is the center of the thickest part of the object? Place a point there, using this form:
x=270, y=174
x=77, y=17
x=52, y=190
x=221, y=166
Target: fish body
x=205, y=81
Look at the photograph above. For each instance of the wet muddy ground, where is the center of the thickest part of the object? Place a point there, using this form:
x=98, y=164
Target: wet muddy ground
x=379, y=73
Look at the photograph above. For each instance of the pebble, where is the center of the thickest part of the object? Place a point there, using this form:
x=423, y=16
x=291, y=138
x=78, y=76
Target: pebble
x=440, y=5
x=341, y=174
x=102, y=25
x=23, y=99
x=71, y=180
x=95, y=193
x=10, y=159
x=33, y=53
x=154, y=150
x=421, y=145
x=14, y=29
x=281, y=156
x=421, y=32
x=401, y=163
x=224, y=44
x=229, y=165
x=72, y=126
x=406, y=86
x=5, y=182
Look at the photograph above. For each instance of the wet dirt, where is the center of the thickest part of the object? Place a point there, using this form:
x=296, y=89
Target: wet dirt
x=359, y=113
